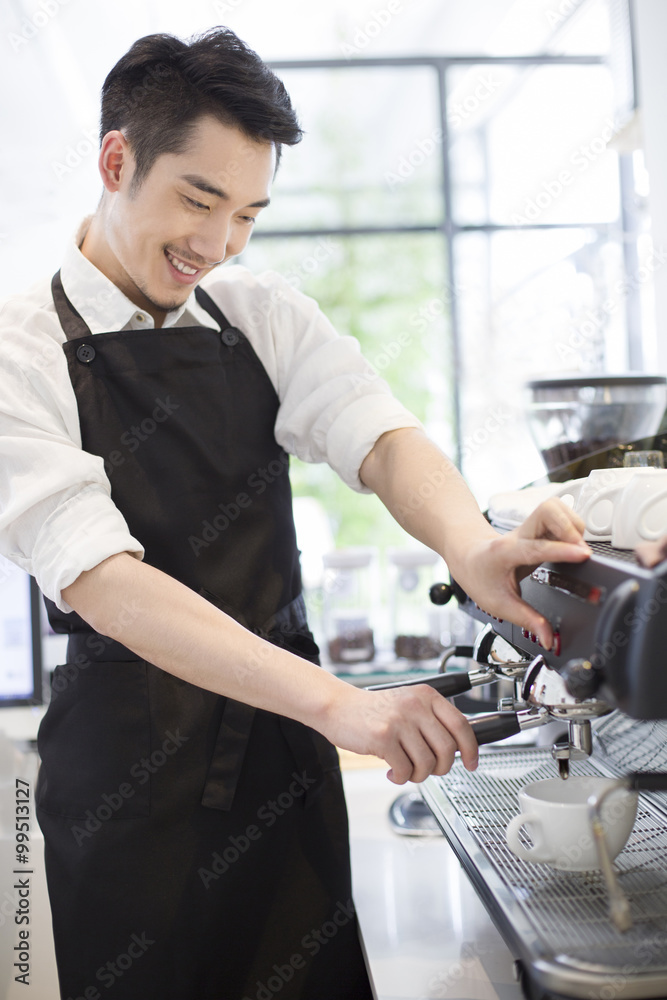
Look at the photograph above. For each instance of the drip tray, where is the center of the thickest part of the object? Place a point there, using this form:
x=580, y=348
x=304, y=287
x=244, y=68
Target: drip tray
x=556, y=922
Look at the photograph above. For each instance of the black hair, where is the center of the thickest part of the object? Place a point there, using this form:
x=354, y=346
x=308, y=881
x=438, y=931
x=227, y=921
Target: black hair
x=158, y=91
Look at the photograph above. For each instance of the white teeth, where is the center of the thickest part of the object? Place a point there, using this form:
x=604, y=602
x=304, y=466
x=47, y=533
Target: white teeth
x=183, y=268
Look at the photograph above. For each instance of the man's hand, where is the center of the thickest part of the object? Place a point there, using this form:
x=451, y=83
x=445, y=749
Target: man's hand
x=414, y=729
x=494, y=566
x=652, y=553
x=428, y=497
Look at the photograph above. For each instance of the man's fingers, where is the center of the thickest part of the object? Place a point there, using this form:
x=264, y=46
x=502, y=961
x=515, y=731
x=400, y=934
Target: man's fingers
x=533, y=551
x=652, y=553
x=427, y=735
x=554, y=519
x=513, y=609
x=461, y=732
x=440, y=747
x=535, y=623
x=402, y=768
x=422, y=751
x=494, y=566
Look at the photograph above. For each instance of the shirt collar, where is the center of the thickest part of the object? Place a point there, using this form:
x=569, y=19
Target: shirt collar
x=104, y=307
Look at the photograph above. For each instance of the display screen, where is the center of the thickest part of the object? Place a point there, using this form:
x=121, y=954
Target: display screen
x=20, y=662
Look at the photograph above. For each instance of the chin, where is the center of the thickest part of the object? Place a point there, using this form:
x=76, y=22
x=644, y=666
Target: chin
x=170, y=306
x=166, y=301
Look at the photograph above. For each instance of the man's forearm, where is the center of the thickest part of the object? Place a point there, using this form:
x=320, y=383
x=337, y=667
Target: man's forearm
x=424, y=492
x=174, y=628
x=413, y=729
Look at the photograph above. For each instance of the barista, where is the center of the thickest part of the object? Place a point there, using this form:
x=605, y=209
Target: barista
x=137, y=408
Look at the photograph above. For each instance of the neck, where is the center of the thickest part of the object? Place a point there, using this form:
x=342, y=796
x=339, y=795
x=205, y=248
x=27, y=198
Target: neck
x=96, y=248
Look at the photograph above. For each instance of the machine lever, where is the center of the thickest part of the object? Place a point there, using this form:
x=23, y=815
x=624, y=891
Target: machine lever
x=448, y=685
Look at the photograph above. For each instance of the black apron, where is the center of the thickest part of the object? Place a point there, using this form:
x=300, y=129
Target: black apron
x=196, y=849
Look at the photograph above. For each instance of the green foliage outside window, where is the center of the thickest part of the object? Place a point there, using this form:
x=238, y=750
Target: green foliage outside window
x=389, y=292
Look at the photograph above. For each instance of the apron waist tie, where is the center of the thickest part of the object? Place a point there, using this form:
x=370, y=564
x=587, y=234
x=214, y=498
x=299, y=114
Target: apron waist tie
x=231, y=744
x=287, y=628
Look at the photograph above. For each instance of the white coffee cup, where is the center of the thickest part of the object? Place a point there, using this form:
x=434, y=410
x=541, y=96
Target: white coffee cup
x=597, y=499
x=569, y=491
x=640, y=514
x=556, y=814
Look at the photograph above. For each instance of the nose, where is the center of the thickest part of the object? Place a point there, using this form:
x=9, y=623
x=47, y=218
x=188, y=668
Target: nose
x=218, y=239
x=210, y=241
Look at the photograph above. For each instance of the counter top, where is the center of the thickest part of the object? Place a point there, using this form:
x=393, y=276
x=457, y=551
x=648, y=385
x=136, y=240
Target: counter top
x=426, y=932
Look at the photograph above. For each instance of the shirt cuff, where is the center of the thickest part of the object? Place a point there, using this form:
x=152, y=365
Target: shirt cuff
x=79, y=535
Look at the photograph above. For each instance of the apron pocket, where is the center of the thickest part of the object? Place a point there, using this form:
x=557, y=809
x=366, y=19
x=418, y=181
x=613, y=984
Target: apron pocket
x=93, y=741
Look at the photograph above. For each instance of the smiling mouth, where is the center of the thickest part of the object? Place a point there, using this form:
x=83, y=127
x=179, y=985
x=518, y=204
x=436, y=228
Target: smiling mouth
x=180, y=265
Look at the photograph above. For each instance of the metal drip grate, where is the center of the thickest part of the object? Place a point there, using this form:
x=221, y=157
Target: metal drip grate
x=605, y=549
x=567, y=911
x=627, y=744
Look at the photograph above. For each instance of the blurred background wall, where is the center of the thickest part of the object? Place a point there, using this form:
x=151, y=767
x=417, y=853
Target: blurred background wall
x=471, y=199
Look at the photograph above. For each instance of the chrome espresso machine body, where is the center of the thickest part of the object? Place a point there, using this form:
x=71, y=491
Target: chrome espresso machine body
x=596, y=934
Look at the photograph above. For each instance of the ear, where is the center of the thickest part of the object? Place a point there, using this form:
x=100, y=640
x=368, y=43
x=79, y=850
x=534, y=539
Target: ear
x=116, y=162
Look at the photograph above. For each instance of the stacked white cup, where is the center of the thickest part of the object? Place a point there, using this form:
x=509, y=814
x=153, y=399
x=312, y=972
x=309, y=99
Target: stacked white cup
x=640, y=511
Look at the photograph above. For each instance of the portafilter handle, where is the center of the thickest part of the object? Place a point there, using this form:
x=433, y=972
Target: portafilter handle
x=646, y=781
x=500, y=725
x=487, y=728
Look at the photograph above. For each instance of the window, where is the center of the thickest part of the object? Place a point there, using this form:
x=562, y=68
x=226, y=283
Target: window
x=490, y=204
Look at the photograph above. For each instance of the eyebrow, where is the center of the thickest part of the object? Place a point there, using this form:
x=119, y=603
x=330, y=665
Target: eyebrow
x=203, y=185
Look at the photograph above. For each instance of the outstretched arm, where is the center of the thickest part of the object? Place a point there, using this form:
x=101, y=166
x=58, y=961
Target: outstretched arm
x=414, y=729
x=425, y=493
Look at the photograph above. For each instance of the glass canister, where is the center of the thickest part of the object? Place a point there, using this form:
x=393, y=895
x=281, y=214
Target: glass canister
x=349, y=599
x=417, y=624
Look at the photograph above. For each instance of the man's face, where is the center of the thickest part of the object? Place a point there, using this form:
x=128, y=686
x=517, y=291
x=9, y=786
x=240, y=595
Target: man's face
x=192, y=211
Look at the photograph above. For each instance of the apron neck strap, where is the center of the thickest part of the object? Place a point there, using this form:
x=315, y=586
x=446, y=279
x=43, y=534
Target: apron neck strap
x=71, y=321
x=207, y=303
x=75, y=326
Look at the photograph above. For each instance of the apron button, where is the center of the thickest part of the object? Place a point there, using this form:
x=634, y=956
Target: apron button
x=230, y=336
x=85, y=353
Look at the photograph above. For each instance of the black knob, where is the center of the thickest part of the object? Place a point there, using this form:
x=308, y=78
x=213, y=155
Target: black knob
x=581, y=677
x=441, y=593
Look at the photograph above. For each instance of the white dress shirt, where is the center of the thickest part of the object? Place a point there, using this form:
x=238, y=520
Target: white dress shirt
x=57, y=517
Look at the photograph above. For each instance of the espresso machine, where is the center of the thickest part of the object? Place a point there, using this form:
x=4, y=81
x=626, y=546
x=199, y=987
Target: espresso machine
x=595, y=935
x=574, y=934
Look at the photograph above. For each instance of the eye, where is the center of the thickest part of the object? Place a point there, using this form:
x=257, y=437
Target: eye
x=250, y=219
x=195, y=204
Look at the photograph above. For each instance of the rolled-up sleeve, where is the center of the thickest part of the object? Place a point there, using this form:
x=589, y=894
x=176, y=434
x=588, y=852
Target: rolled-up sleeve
x=333, y=404
x=336, y=408
x=57, y=518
